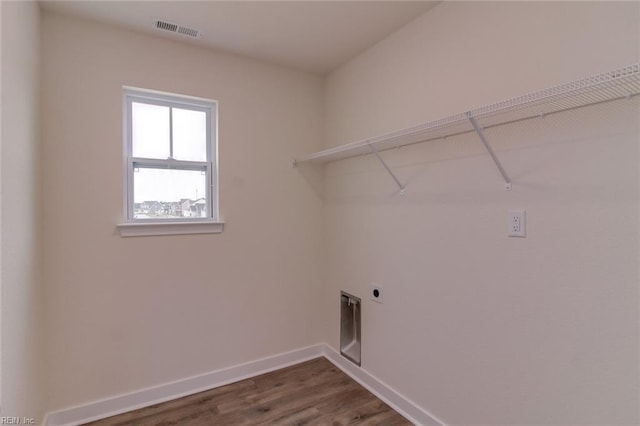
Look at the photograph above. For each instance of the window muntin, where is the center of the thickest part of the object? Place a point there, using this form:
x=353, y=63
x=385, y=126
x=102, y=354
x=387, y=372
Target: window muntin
x=170, y=158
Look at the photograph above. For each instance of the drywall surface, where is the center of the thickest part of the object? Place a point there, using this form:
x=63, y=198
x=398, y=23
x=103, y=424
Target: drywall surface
x=20, y=371
x=476, y=327
x=127, y=313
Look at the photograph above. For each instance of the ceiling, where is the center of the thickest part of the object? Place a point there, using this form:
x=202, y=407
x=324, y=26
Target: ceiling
x=314, y=36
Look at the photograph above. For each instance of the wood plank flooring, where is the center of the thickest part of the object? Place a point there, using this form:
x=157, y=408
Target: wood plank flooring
x=311, y=393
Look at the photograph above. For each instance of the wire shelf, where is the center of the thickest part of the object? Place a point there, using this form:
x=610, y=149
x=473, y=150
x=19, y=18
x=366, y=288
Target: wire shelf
x=617, y=84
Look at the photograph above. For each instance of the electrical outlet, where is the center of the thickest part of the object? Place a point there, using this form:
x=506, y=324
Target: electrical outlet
x=376, y=294
x=516, y=223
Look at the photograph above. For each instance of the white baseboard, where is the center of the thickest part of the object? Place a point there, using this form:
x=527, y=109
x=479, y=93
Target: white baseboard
x=154, y=395
x=411, y=411
x=143, y=398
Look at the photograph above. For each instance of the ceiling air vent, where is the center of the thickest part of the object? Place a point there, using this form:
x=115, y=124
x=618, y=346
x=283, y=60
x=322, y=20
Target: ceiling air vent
x=188, y=32
x=174, y=28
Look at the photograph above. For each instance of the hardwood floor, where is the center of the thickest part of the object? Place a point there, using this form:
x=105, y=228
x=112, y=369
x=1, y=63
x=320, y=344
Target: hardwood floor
x=311, y=393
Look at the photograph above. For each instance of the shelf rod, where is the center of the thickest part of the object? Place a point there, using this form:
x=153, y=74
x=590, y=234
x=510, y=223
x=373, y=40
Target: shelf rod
x=375, y=151
x=478, y=129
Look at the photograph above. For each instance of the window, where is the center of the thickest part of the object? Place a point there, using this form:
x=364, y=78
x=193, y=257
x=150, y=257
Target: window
x=170, y=159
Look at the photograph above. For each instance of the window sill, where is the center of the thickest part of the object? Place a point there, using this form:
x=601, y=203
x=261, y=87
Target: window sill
x=169, y=228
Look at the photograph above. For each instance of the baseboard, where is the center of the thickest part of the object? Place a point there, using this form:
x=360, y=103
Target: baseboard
x=413, y=412
x=119, y=404
x=143, y=398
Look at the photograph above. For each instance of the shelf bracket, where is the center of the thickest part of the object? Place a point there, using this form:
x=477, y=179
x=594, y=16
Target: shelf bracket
x=375, y=151
x=478, y=129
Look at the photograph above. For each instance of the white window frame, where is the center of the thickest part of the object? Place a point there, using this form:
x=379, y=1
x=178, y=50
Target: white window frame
x=187, y=225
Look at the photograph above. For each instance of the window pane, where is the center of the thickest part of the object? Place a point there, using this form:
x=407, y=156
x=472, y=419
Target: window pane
x=189, y=135
x=150, y=130
x=169, y=194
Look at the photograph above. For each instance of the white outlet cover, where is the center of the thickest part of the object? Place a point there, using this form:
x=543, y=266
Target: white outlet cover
x=516, y=223
x=380, y=293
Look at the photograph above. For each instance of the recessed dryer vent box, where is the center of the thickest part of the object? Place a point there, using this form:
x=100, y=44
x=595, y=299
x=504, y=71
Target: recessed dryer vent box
x=350, y=345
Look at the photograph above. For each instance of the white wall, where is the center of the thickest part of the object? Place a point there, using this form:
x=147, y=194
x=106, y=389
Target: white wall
x=21, y=311
x=127, y=313
x=478, y=328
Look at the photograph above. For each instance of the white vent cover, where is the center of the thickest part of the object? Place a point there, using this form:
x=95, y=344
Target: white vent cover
x=175, y=28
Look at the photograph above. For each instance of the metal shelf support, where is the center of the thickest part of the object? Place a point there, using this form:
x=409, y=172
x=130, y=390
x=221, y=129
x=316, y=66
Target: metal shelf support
x=478, y=129
x=375, y=151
